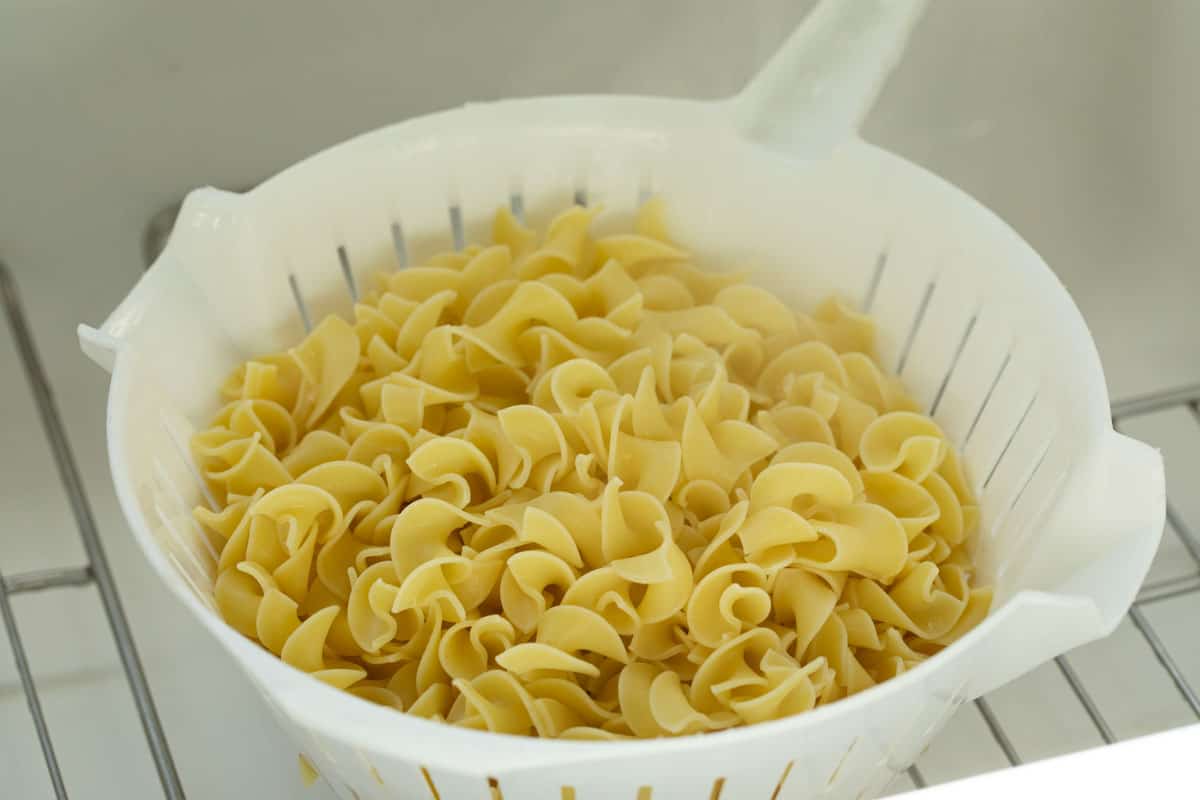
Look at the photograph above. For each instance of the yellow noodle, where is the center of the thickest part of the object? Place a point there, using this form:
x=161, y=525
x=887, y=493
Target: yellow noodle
x=574, y=487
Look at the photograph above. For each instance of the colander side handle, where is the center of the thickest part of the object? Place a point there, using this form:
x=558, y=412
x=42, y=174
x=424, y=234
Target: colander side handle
x=1090, y=557
x=101, y=344
x=1099, y=540
x=815, y=91
x=205, y=233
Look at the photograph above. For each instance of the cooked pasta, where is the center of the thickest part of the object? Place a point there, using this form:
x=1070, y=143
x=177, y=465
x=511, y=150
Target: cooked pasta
x=578, y=487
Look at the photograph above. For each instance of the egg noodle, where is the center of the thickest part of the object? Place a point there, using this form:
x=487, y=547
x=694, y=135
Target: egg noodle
x=579, y=487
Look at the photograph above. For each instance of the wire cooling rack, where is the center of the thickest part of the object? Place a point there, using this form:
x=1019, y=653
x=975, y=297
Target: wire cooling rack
x=96, y=571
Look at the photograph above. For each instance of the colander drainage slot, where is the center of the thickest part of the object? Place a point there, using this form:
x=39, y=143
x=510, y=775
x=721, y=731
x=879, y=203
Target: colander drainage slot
x=833, y=776
x=190, y=553
x=516, y=204
x=1037, y=465
x=787, y=770
x=398, y=244
x=347, y=273
x=182, y=449
x=916, y=326
x=962, y=345
x=494, y=788
x=644, y=792
x=1011, y=437
x=308, y=772
x=718, y=787
x=581, y=199
x=301, y=306
x=456, y=227
x=873, y=284
x=645, y=189
x=433, y=792
x=987, y=399
x=169, y=486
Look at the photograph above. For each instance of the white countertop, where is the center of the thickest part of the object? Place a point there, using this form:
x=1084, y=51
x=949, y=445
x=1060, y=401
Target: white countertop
x=1161, y=766
x=1075, y=120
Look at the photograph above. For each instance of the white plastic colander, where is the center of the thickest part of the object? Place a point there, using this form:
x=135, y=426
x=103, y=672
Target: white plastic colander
x=974, y=321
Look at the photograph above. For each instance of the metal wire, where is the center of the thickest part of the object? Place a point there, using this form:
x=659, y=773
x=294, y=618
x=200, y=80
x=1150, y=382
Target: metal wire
x=97, y=569
x=1169, y=589
x=998, y=732
x=49, y=579
x=31, y=694
x=1190, y=542
x=1164, y=657
x=1157, y=401
x=1085, y=699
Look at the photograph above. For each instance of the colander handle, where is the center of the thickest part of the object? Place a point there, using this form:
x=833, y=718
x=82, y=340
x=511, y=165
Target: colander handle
x=1090, y=557
x=206, y=228
x=817, y=88
x=1102, y=535
x=1098, y=541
